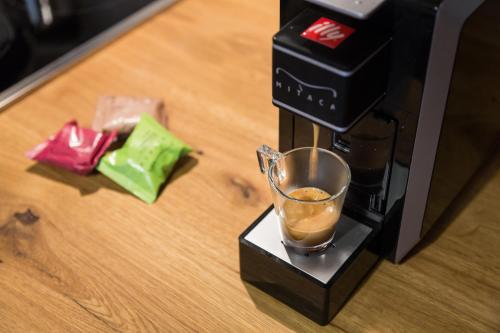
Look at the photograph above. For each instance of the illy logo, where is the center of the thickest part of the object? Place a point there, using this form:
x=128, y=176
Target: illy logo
x=328, y=32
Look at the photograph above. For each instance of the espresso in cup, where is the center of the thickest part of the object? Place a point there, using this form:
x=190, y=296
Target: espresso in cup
x=309, y=222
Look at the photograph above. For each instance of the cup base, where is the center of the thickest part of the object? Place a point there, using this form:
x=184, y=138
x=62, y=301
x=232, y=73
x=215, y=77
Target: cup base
x=308, y=250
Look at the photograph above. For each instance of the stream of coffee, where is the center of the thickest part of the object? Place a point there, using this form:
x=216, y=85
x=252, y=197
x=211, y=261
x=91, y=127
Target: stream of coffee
x=313, y=159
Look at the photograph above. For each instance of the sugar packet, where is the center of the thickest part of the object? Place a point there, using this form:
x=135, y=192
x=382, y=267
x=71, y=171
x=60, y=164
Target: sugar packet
x=122, y=113
x=73, y=148
x=146, y=159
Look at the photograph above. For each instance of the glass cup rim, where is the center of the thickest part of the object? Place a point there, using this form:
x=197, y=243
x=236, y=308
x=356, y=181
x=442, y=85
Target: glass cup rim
x=331, y=198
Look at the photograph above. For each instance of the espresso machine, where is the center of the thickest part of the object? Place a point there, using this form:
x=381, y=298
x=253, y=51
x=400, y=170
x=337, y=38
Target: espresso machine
x=407, y=92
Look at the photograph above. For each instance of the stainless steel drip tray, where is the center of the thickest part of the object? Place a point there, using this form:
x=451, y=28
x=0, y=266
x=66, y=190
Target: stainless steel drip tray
x=349, y=237
x=316, y=285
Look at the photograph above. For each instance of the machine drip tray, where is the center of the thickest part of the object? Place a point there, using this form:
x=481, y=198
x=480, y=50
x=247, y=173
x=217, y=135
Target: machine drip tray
x=316, y=285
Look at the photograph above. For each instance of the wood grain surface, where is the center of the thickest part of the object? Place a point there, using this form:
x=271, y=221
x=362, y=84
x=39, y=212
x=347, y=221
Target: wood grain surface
x=89, y=257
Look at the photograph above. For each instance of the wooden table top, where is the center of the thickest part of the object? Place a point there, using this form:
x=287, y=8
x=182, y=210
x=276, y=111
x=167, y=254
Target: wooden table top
x=98, y=259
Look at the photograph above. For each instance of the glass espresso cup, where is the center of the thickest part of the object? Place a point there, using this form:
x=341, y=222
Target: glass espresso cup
x=308, y=187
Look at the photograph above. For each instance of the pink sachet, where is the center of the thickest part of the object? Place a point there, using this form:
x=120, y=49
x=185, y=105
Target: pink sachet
x=73, y=148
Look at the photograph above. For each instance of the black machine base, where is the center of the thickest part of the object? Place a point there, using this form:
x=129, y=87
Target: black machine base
x=316, y=285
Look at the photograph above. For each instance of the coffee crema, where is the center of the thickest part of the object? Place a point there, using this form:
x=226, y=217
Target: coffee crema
x=309, y=222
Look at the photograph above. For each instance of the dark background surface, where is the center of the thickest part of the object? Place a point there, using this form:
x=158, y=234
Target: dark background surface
x=28, y=42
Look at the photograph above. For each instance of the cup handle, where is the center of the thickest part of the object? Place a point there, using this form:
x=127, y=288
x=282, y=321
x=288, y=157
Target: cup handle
x=266, y=155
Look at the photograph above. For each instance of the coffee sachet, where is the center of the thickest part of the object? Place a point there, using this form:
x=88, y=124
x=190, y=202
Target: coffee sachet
x=146, y=159
x=122, y=113
x=73, y=148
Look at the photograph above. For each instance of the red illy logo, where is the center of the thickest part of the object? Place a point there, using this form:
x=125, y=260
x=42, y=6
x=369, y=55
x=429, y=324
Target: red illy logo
x=328, y=32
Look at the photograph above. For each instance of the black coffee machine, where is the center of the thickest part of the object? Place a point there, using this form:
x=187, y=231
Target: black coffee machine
x=408, y=93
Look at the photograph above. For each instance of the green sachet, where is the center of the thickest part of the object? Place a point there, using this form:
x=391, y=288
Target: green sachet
x=146, y=159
